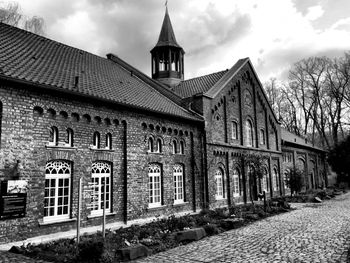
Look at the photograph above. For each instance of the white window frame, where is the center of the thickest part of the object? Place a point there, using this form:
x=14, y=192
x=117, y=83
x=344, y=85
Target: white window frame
x=235, y=183
x=55, y=171
x=108, y=141
x=159, y=146
x=262, y=137
x=234, y=128
x=70, y=135
x=275, y=179
x=100, y=172
x=154, y=185
x=174, y=147
x=219, y=184
x=182, y=147
x=249, y=133
x=178, y=175
x=54, y=136
x=96, y=140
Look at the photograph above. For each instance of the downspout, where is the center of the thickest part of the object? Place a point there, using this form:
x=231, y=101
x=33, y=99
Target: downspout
x=125, y=170
x=228, y=180
x=205, y=170
x=193, y=173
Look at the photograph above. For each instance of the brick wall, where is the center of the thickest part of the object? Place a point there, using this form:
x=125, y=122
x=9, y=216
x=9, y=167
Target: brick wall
x=26, y=133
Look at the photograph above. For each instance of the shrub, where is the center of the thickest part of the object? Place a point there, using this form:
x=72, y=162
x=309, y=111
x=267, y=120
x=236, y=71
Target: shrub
x=211, y=229
x=90, y=250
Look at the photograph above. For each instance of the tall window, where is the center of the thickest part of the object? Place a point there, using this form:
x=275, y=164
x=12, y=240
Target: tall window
x=159, y=145
x=236, y=190
x=234, y=130
x=219, y=184
x=154, y=185
x=70, y=137
x=150, y=145
x=249, y=133
x=262, y=136
x=57, y=190
x=108, y=141
x=275, y=179
x=96, y=140
x=265, y=182
x=53, y=136
x=182, y=147
x=101, y=178
x=174, y=147
x=178, y=184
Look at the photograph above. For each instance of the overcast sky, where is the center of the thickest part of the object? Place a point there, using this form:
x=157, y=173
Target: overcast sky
x=214, y=33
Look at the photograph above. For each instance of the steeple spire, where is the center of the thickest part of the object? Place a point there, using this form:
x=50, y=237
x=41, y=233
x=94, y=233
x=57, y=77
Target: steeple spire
x=167, y=55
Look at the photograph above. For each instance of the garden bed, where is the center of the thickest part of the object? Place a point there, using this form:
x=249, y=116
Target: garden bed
x=156, y=236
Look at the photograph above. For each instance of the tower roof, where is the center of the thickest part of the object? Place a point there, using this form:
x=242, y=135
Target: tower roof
x=167, y=36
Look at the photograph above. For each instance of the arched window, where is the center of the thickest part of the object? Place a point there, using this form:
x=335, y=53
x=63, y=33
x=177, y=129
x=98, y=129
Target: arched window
x=70, y=137
x=57, y=190
x=174, y=147
x=178, y=184
x=53, y=136
x=235, y=181
x=234, y=130
x=219, y=193
x=108, y=141
x=285, y=178
x=249, y=133
x=150, y=145
x=154, y=185
x=275, y=183
x=265, y=181
x=182, y=147
x=159, y=145
x=101, y=179
x=262, y=136
x=96, y=140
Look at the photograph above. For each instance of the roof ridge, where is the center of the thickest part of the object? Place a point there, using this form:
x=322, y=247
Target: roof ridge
x=225, y=70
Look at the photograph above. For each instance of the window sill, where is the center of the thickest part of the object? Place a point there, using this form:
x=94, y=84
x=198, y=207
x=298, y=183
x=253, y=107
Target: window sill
x=60, y=147
x=220, y=198
x=67, y=220
x=181, y=204
x=101, y=215
x=101, y=149
x=150, y=208
x=158, y=153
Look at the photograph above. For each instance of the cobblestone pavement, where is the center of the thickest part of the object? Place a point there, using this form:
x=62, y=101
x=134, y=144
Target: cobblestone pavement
x=312, y=233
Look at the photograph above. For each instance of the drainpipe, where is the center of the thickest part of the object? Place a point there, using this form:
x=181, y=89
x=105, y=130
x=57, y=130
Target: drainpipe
x=193, y=173
x=125, y=170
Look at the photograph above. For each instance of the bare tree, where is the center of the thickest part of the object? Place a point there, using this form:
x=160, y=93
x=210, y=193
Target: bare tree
x=11, y=14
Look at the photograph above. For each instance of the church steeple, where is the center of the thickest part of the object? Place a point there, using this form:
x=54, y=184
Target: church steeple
x=167, y=56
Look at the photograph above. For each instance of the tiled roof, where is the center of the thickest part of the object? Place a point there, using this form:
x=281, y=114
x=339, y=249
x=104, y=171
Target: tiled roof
x=292, y=138
x=33, y=59
x=198, y=85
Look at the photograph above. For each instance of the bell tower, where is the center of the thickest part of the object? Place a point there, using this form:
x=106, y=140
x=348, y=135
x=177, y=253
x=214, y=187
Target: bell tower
x=167, y=56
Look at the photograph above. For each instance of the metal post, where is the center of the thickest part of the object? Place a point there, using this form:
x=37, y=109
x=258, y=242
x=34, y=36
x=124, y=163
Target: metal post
x=79, y=208
x=104, y=210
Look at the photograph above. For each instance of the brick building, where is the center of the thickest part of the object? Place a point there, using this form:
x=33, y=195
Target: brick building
x=159, y=145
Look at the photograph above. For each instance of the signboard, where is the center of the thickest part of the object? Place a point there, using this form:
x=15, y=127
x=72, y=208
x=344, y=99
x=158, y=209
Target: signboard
x=13, y=198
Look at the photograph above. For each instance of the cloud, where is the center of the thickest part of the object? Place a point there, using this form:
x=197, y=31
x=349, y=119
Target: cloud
x=314, y=12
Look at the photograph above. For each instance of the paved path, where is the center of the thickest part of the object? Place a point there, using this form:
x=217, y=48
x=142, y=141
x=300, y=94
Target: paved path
x=313, y=233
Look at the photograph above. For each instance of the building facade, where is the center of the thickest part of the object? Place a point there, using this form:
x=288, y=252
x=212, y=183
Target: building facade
x=142, y=146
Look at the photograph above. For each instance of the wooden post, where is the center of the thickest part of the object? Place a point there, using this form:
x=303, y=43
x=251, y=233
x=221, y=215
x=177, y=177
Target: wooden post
x=79, y=208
